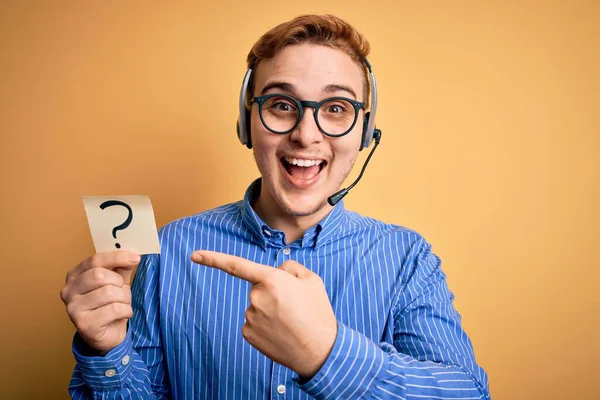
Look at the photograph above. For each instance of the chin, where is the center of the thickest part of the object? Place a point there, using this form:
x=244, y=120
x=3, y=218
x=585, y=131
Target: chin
x=300, y=206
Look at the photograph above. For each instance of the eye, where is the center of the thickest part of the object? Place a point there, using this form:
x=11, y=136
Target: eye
x=335, y=108
x=280, y=105
x=283, y=106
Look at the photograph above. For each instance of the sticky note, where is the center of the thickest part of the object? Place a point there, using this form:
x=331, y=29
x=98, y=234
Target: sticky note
x=122, y=223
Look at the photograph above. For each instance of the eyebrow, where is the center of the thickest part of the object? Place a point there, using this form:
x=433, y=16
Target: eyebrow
x=339, y=88
x=288, y=87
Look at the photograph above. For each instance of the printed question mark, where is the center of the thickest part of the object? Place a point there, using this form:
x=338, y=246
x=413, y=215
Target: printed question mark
x=110, y=203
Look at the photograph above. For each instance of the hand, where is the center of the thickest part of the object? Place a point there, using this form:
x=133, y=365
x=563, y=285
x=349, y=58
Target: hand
x=98, y=298
x=290, y=319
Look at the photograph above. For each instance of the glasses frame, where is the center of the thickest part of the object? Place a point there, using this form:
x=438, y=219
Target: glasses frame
x=302, y=104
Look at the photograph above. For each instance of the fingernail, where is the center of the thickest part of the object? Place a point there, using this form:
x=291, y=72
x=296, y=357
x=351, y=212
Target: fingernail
x=134, y=258
x=196, y=257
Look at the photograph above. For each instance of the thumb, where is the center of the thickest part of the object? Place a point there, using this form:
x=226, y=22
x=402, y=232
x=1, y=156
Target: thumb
x=127, y=272
x=295, y=269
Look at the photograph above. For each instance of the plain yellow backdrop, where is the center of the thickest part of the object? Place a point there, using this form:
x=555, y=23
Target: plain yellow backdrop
x=491, y=118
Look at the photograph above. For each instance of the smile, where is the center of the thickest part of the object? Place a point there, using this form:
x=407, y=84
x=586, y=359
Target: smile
x=302, y=163
x=302, y=172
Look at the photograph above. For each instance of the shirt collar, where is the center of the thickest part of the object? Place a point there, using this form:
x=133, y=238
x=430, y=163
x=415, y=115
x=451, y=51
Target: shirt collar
x=331, y=225
x=317, y=235
x=251, y=219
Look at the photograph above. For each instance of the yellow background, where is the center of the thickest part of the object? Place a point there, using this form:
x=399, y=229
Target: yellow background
x=491, y=119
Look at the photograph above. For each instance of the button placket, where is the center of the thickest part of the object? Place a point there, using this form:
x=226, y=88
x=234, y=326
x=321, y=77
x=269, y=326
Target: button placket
x=283, y=254
x=278, y=382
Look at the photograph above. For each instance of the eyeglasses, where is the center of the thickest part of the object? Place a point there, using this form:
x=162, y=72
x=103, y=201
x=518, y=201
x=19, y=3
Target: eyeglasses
x=281, y=114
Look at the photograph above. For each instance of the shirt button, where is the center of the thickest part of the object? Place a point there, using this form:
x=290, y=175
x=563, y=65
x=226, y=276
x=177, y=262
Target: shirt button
x=109, y=373
x=281, y=389
x=286, y=251
x=125, y=360
x=266, y=232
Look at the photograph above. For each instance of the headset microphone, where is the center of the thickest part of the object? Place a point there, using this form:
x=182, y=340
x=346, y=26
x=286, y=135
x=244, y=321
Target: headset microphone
x=335, y=198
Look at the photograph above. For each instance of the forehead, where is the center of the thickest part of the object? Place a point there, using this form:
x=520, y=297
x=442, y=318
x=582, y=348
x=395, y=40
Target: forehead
x=309, y=67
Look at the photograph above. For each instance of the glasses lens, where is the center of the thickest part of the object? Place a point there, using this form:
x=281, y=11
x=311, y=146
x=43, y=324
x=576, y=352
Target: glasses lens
x=336, y=116
x=280, y=114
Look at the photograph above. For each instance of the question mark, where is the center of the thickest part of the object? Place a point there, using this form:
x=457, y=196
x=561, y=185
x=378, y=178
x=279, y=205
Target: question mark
x=110, y=203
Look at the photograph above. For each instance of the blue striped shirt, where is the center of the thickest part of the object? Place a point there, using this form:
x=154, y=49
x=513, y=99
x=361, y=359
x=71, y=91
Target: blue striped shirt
x=399, y=336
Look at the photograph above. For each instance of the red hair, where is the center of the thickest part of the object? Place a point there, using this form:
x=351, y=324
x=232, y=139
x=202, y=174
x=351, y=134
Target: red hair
x=326, y=30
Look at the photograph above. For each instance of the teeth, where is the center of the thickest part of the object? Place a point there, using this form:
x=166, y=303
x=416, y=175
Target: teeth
x=302, y=163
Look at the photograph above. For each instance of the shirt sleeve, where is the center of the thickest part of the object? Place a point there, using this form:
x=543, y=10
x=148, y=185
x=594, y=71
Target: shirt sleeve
x=135, y=369
x=431, y=356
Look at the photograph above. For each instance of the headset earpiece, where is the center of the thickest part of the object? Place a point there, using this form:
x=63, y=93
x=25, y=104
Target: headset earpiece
x=369, y=121
x=248, y=130
x=367, y=136
x=243, y=124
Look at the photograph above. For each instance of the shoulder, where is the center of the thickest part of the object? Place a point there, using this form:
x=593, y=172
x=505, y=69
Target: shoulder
x=224, y=217
x=381, y=231
x=386, y=243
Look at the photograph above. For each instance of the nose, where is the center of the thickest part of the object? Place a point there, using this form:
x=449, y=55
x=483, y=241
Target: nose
x=307, y=132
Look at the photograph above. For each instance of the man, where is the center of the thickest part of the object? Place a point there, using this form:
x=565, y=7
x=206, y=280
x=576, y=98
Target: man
x=280, y=294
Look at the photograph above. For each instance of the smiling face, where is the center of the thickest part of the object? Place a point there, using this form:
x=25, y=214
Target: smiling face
x=301, y=169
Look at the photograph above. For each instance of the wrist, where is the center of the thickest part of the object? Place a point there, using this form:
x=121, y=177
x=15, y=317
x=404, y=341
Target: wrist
x=85, y=349
x=316, y=358
x=353, y=355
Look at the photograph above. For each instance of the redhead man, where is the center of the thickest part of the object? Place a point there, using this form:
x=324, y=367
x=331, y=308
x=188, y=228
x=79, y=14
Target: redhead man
x=280, y=294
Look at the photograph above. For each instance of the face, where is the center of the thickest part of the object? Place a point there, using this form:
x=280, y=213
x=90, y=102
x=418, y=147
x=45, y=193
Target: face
x=302, y=168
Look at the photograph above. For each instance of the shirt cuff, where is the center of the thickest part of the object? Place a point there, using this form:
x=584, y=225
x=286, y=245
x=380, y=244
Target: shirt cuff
x=350, y=370
x=103, y=372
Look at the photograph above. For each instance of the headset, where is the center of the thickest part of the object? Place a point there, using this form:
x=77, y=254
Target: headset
x=369, y=132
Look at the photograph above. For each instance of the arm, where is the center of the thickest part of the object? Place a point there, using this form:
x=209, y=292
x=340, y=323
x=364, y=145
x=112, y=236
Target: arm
x=431, y=356
x=137, y=365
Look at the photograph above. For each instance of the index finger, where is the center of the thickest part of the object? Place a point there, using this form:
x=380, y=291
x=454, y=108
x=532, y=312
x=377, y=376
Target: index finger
x=236, y=266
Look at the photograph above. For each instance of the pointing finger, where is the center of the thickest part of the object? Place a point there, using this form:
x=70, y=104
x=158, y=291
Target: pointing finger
x=236, y=266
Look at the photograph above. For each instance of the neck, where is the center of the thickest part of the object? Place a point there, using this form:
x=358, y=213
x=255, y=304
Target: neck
x=293, y=226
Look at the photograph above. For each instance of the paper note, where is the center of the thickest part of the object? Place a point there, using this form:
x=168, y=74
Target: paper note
x=122, y=223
